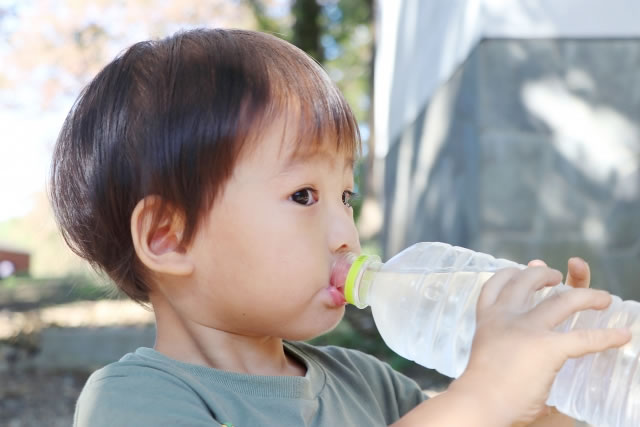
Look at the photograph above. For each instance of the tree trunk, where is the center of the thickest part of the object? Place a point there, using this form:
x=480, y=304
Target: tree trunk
x=307, y=30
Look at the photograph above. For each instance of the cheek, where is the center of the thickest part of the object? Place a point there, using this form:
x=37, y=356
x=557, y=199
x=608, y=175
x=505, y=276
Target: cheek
x=272, y=239
x=286, y=228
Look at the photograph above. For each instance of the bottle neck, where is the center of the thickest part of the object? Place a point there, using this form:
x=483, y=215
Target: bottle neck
x=364, y=282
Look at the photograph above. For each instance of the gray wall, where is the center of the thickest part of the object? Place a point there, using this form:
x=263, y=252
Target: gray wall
x=531, y=150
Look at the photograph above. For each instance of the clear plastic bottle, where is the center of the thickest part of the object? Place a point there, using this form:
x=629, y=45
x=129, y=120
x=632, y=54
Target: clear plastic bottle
x=423, y=302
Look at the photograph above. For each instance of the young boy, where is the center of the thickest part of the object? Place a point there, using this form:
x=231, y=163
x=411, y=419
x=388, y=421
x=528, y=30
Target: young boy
x=209, y=174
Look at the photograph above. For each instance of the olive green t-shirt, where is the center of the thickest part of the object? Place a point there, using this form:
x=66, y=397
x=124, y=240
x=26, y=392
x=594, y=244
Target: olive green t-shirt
x=342, y=387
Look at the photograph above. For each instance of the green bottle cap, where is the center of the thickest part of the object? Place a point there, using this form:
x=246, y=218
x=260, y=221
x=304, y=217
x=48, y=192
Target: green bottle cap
x=354, y=273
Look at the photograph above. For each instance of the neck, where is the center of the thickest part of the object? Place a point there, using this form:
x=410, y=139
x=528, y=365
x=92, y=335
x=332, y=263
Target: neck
x=181, y=339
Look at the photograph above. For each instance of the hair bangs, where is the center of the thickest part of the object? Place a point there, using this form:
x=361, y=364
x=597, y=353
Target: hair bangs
x=314, y=109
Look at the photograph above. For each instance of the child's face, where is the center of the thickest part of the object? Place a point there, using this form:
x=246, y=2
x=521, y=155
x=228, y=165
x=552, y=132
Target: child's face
x=264, y=256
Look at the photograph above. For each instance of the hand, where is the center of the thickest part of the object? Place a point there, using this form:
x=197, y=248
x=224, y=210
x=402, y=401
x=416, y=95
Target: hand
x=516, y=354
x=578, y=272
x=578, y=276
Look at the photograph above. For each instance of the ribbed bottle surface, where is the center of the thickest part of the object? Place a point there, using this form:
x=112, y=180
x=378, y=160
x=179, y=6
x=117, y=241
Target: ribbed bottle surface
x=424, y=305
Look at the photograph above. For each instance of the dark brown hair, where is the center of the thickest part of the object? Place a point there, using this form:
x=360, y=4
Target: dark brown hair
x=169, y=118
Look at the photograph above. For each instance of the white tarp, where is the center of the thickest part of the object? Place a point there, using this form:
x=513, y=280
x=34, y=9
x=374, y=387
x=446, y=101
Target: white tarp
x=422, y=42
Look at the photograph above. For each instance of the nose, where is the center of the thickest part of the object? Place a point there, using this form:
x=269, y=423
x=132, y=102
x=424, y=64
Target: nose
x=343, y=234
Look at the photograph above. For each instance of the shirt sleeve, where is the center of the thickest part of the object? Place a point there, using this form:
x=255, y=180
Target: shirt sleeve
x=152, y=399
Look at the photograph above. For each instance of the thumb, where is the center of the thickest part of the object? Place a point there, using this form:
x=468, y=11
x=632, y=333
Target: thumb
x=578, y=273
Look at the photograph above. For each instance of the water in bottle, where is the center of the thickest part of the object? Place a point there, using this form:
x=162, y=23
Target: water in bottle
x=424, y=300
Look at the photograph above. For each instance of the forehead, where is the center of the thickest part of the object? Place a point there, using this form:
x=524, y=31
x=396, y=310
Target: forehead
x=336, y=160
x=285, y=142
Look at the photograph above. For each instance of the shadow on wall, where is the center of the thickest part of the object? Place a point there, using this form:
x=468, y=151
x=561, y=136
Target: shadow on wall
x=531, y=150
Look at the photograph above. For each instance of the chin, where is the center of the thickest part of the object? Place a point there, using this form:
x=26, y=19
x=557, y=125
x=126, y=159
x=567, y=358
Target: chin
x=330, y=326
x=319, y=328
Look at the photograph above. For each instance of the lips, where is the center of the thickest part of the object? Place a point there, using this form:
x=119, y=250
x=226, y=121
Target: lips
x=337, y=296
x=339, y=273
x=338, y=278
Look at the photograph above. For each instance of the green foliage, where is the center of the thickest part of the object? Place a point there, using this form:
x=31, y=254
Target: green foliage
x=338, y=34
x=357, y=202
x=27, y=293
x=15, y=281
x=371, y=247
x=264, y=22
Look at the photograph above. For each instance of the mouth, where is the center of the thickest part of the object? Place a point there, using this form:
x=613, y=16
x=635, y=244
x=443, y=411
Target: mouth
x=339, y=272
x=337, y=296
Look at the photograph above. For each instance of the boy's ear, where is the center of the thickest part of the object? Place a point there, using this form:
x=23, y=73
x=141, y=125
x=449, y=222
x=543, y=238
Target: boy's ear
x=159, y=250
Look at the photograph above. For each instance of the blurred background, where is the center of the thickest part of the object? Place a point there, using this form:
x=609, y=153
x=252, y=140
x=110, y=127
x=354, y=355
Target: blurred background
x=509, y=127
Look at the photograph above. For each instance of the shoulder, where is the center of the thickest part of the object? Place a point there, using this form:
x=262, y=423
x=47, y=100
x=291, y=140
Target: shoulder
x=366, y=375
x=148, y=391
x=132, y=372
x=350, y=363
x=355, y=360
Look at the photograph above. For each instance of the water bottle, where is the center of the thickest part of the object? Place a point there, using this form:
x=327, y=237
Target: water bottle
x=424, y=300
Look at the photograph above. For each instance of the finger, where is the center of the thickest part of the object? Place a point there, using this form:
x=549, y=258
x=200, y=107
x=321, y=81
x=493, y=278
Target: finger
x=578, y=273
x=536, y=263
x=557, y=307
x=531, y=279
x=584, y=341
x=492, y=288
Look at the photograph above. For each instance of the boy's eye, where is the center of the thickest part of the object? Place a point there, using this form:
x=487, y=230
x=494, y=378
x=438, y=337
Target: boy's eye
x=348, y=197
x=305, y=197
